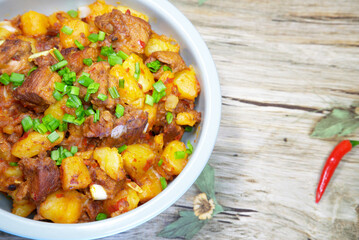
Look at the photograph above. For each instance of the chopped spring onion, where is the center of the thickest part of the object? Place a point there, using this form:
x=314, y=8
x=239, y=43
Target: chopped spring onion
x=74, y=149
x=67, y=30
x=27, y=123
x=36, y=122
x=80, y=112
x=41, y=128
x=85, y=74
x=121, y=83
x=57, y=95
x=79, y=45
x=92, y=88
x=72, y=13
x=58, y=65
x=101, y=216
x=180, y=154
x=163, y=182
x=107, y=51
x=58, y=55
x=17, y=79
x=99, y=59
x=169, y=117
x=113, y=60
x=137, y=71
x=53, y=125
x=113, y=92
x=122, y=55
x=31, y=70
x=85, y=80
x=63, y=127
x=68, y=118
x=87, y=61
x=160, y=162
x=101, y=35
x=68, y=154
x=55, y=155
x=154, y=66
x=89, y=111
x=64, y=71
x=149, y=100
x=188, y=129
x=53, y=136
x=159, y=86
x=120, y=110
x=13, y=164
x=190, y=148
x=167, y=68
x=96, y=117
x=158, y=95
x=5, y=79
x=74, y=90
x=122, y=148
x=102, y=97
x=93, y=37
x=60, y=86
x=79, y=121
x=73, y=101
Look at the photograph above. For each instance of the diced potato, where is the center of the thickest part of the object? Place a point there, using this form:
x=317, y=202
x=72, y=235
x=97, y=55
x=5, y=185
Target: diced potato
x=185, y=118
x=146, y=78
x=131, y=93
x=171, y=102
x=56, y=109
x=85, y=154
x=167, y=78
x=34, y=23
x=151, y=110
x=80, y=33
x=187, y=84
x=55, y=21
x=161, y=43
x=23, y=208
x=62, y=206
x=138, y=158
x=159, y=141
x=98, y=8
x=13, y=172
x=6, y=29
x=133, y=12
x=110, y=161
x=125, y=200
x=33, y=144
x=74, y=173
x=170, y=164
x=150, y=184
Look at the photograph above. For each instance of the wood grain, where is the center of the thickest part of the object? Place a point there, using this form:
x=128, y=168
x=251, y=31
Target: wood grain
x=282, y=65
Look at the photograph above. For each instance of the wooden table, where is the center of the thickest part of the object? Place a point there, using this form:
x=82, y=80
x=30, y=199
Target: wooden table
x=282, y=65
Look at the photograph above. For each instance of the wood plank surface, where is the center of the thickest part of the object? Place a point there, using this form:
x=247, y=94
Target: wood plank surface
x=282, y=65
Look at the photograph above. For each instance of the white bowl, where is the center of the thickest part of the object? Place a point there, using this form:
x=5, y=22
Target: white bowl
x=164, y=19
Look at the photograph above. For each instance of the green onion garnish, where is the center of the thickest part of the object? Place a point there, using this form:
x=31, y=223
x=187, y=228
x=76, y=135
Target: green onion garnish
x=79, y=45
x=57, y=95
x=122, y=148
x=59, y=86
x=154, y=66
x=101, y=216
x=85, y=80
x=74, y=149
x=89, y=111
x=73, y=101
x=63, y=127
x=93, y=37
x=169, y=117
x=120, y=110
x=96, y=117
x=5, y=79
x=113, y=60
x=87, y=61
x=58, y=65
x=101, y=35
x=167, y=68
x=113, y=92
x=27, y=123
x=67, y=30
x=158, y=95
x=13, y=164
x=53, y=136
x=53, y=125
x=122, y=55
x=72, y=13
x=41, y=128
x=79, y=121
x=31, y=70
x=121, y=83
x=160, y=162
x=74, y=90
x=64, y=71
x=137, y=71
x=188, y=129
x=180, y=154
x=93, y=87
x=17, y=79
x=102, y=97
x=159, y=86
x=58, y=55
x=190, y=148
x=149, y=100
x=68, y=118
x=163, y=182
x=107, y=51
x=55, y=155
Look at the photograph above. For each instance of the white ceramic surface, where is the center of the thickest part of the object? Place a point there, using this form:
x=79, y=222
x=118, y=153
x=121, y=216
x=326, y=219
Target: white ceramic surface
x=164, y=19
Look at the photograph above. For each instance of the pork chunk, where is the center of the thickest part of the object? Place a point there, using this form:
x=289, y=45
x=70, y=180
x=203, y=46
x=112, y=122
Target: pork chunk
x=75, y=57
x=100, y=129
x=37, y=89
x=171, y=59
x=42, y=175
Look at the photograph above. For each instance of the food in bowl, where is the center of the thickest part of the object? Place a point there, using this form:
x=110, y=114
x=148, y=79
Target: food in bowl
x=93, y=107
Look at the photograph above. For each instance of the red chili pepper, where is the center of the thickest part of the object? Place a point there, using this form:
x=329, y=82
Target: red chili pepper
x=332, y=162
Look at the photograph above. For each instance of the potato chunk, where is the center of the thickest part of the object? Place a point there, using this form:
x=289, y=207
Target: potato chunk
x=171, y=164
x=56, y=109
x=62, y=207
x=23, y=208
x=161, y=43
x=186, y=118
x=125, y=200
x=187, y=84
x=150, y=184
x=80, y=33
x=33, y=144
x=151, y=110
x=146, y=78
x=138, y=158
x=110, y=161
x=34, y=23
x=74, y=174
x=131, y=93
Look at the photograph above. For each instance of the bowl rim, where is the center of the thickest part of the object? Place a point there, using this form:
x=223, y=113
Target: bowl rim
x=29, y=228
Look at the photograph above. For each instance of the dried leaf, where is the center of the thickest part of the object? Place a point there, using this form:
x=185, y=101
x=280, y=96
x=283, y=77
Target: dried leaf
x=339, y=122
x=186, y=226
